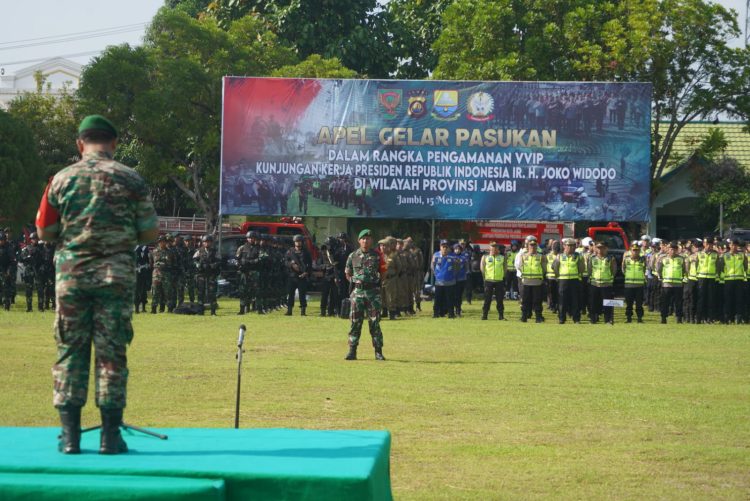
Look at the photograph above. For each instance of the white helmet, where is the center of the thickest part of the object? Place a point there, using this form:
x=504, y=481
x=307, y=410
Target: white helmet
x=586, y=242
x=656, y=240
x=645, y=237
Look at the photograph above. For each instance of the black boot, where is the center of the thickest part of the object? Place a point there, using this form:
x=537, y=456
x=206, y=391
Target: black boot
x=484, y=315
x=213, y=310
x=379, y=354
x=288, y=311
x=242, y=310
x=70, y=438
x=302, y=311
x=352, y=355
x=111, y=441
x=153, y=309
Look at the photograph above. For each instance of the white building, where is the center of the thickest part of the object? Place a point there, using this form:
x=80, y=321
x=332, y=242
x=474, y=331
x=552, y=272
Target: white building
x=57, y=73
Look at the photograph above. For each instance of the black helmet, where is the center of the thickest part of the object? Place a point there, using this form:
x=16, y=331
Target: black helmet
x=299, y=238
x=330, y=242
x=342, y=235
x=207, y=238
x=33, y=236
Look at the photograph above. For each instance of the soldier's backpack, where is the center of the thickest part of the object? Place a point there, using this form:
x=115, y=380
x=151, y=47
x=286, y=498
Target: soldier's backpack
x=189, y=309
x=346, y=307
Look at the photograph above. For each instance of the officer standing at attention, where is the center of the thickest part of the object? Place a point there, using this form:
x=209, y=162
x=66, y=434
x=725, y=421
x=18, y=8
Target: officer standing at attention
x=494, y=266
x=568, y=267
x=97, y=210
x=159, y=264
x=207, y=263
x=7, y=262
x=247, y=261
x=13, y=245
x=634, y=269
x=602, y=269
x=298, y=266
x=531, y=265
x=444, y=268
x=142, y=277
x=672, y=269
x=32, y=257
x=365, y=269
x=709, y=268
x=735, y=274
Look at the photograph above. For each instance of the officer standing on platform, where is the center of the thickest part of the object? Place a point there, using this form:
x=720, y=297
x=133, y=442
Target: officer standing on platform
x=735, y=274
x=672, y=270
x=365, y=269
x=494, y=266
x=568, y=268
x=602, y=270
x=634, y=269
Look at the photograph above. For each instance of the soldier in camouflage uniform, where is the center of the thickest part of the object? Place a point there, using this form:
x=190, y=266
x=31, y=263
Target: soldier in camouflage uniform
x=207, y=263
x=192, y=245
x=418, y=271
x=142, y=277
x=173, y=273
x=365, y=269
x=247, y=261
x=97, y=210
x=32, y=257
x=184, y=261
x=7, y=265
x=159, y=259
x=49, y=275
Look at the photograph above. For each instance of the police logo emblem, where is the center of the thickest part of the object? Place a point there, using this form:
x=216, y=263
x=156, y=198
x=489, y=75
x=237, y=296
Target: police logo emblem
x=480, y=107
x=446, y=105
x=389, y=99
x=417, y=107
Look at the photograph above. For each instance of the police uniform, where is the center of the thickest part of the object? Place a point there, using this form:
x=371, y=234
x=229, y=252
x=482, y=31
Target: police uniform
x=568, y=269
x=735, y=274
x=364, y=270
x=709, y=268
x=602, y=271
x=444, y=269
x=494, y=268
x=634, y=270
x=101, y=209
x=672, y=271
x=533, y=266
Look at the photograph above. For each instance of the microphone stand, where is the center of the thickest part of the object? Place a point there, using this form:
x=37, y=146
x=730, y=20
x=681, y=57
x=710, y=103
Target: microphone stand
x=240, y=340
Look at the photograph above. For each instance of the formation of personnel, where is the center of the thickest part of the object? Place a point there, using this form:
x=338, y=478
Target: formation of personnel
x=402, y=282
x=38, y=271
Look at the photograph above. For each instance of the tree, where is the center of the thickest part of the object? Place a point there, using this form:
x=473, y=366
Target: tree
x=166, y=96
x=53, y=121
x=681, y=46
x=21, y=170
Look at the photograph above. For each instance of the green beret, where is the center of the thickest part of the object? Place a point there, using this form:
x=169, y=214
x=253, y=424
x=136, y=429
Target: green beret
x=364, y=233
x=96, y=122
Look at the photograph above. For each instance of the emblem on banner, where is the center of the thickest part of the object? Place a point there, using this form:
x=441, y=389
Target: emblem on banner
x=390, y=99
x=446, y=105
x=417, y=104
x=480, y=107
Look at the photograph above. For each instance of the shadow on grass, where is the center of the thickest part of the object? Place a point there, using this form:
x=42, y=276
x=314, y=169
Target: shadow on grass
x=457, y=362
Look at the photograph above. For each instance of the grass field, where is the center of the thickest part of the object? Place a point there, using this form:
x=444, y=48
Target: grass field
x=477, y=409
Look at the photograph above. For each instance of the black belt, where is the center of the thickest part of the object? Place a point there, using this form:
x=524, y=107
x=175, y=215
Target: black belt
x=366, y=286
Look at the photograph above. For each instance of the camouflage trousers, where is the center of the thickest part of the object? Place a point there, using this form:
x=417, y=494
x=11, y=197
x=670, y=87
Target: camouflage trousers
x=190, y=286
x=248, y=288
x=172, y=285
x=365, y=302
x=101, y=316
x=158, y=291
x=206, y=289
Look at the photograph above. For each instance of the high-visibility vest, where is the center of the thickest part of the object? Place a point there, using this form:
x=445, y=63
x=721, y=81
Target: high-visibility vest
x=601, y=271
x=635, y=270
x=693, y=269
x=511, y=260
x=734, y=266
x=707, y=264
x=672, y=270
x=551, y=259
x=493, y=268
x=586, y=258
x=532, y=266
x=569, y=266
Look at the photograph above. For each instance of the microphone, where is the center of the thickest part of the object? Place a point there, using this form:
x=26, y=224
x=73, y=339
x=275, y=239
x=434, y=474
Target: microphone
x=241, y=338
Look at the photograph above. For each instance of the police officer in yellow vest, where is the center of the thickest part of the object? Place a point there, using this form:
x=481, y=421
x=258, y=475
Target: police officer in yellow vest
x=568, y=268
x=602, y=269
x=672, y=271
x=532, y=269
x=709, y=268
x=689, y=291
x=494, y=267
x=735, y=275
x=634, y=269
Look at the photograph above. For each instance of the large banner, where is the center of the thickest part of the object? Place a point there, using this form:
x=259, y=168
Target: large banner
x=553, y=151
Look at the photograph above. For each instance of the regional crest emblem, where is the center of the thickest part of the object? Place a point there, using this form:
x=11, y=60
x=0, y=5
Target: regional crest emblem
x=446, y=105
x=389, y=99
x=480, y=107
x=417, y=104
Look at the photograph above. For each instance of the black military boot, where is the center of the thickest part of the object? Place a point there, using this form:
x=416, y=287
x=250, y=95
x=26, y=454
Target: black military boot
x=500, y=316
x=29, y=306
x=288, y=312
x=213, y=310
x=161, y=308
x=484, y=314
x=379, y=354
x=352, y=355
x=153, y=309
x=70, y=438
x=137, y=306
x=302, y=311
x=111, y=440
x=391, y=314
x=242, y=310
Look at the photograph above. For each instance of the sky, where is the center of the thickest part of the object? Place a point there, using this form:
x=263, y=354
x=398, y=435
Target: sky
x=35, y=30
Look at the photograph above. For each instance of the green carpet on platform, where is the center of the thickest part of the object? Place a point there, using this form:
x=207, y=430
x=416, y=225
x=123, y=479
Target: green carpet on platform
x=252, y=463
